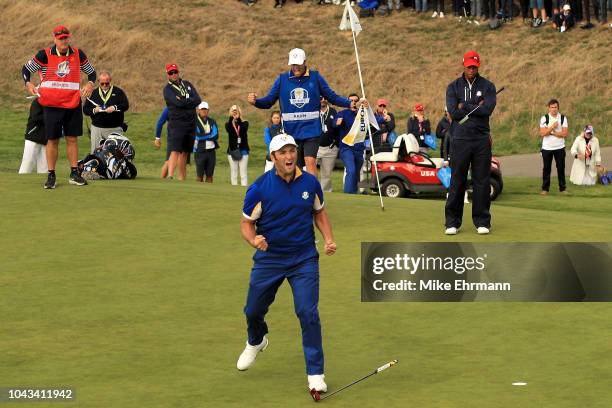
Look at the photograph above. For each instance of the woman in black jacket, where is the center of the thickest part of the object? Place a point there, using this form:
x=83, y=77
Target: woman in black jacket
x=419, y=126
x=237, y=146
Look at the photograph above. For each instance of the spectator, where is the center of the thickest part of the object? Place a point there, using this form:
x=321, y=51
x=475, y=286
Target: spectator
x=328, y=144
x=525, y=10
x=206, y=144
x=602, y=10
x=441, y=132
x=35, y=147
x=587, y=12
x=395, y=3
x=106, y=107
x=275, y=128
x=386, y=134
x=476, y=8
x=60, y=96
x=565, y=20
x=238, y=146
x=438, y=9
x=553, y=130
x=458, y=7
x=367, y=7
x=181, y=98
x=420, y=6
x=352, y=156
x=163, y=118
x=587, y=158
x=299, y=92
x=535, y=6
x=419, y=126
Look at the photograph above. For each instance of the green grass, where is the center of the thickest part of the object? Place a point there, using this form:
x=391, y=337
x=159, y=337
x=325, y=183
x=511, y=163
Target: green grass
x=132, y=292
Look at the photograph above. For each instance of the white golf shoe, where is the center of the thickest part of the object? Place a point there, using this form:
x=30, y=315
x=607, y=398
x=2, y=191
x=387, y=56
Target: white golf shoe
x=248, y=356
x=317, y=382
x=482, y=230
x=451, y=231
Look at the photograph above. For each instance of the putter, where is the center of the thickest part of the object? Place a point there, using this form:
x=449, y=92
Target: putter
x=466, y=117
x=316, y=396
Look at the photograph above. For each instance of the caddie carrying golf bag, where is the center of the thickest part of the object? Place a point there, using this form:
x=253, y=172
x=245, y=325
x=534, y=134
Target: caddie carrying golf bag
x=111, y=160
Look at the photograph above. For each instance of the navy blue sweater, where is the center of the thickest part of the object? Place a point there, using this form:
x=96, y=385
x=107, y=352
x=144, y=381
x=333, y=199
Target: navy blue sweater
x=460, y=91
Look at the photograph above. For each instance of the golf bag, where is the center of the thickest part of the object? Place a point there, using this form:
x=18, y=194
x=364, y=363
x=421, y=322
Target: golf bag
x=112, y=159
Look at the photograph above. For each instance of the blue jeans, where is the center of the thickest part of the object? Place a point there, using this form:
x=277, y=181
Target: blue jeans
x=304, y=281
x=420, y=5
x=353, y=160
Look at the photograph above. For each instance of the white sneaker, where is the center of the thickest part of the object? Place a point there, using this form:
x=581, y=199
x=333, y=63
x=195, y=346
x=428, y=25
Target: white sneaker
x=317, y=382
x=441, y=15
x=482, y=230
x=434, y=15
x=451, y=231
x=248, y=356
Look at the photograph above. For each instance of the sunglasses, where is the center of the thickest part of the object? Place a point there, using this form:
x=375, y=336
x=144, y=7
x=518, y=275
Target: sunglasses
x=355, y=100
x=104, y=83
x=382, y=106
x=65, y=32
x=173, y=72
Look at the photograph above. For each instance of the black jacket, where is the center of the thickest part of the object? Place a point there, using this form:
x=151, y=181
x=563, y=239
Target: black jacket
x=329, y=137
x=459, y=91
x=35, y=130
x=441, y=131
x=232, y=139
x=419, y=133
x=181, y=101
x=107, y=120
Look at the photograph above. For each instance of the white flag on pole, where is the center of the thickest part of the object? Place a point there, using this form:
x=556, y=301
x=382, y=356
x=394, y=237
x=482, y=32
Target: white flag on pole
x=350, y=21
x=359, y=130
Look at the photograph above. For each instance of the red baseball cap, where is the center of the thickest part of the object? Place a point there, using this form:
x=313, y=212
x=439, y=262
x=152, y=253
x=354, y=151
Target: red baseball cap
x=419, y=107
x=382, y=101
x=61, y=31
x=471, y=58
x=171, y=67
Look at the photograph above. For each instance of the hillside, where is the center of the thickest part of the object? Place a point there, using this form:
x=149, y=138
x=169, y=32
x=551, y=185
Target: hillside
x=227, y=50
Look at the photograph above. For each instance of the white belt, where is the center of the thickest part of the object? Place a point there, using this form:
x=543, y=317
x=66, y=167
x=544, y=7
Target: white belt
x=60, y=85
x=295, y=116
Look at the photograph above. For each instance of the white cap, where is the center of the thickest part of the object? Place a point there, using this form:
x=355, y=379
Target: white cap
x=203, y=105
x=280, y=141
x=297, y=56
x=567, y=7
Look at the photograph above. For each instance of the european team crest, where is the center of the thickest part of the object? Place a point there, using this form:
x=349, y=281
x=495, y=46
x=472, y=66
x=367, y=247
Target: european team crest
x=63, y=69
x=305, y=195
x=299, y=97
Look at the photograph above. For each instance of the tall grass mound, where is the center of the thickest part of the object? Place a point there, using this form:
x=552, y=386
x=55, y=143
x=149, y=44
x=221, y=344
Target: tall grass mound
x=227, y=50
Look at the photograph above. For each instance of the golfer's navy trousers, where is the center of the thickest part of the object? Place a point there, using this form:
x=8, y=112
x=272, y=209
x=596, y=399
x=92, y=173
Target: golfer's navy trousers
x=303, y=276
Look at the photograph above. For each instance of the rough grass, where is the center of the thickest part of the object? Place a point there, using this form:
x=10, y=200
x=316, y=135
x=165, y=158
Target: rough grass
x=227, y=50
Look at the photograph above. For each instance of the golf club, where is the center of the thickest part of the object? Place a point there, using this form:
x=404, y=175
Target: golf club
x=316, y=396
x=466, y=117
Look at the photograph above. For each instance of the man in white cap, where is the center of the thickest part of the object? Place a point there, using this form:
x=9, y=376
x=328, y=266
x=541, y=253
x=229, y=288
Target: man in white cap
x=299, y=92
x=206, y=142
x=277, y=220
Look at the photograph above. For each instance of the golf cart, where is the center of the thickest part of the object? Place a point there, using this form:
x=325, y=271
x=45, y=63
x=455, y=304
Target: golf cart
x=405, y=170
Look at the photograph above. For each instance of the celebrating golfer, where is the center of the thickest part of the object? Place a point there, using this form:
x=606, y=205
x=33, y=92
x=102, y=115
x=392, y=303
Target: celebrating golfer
x=299, y=91
x=470, y=96
x=278, y=214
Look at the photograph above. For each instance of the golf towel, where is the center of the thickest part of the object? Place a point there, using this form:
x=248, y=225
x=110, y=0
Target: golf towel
x=444, y=175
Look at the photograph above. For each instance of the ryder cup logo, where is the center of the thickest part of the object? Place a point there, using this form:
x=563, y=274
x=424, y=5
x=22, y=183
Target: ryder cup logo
x=299, y=97
x=63, y=69
x=305, y=195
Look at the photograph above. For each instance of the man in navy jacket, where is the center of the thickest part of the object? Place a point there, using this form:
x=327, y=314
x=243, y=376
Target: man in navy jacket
x=471, y=145
x=299, y=91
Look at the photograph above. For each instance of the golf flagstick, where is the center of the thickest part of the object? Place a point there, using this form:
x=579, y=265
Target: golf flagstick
x=354, y=25
x=317, y=397
x=466, y=117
